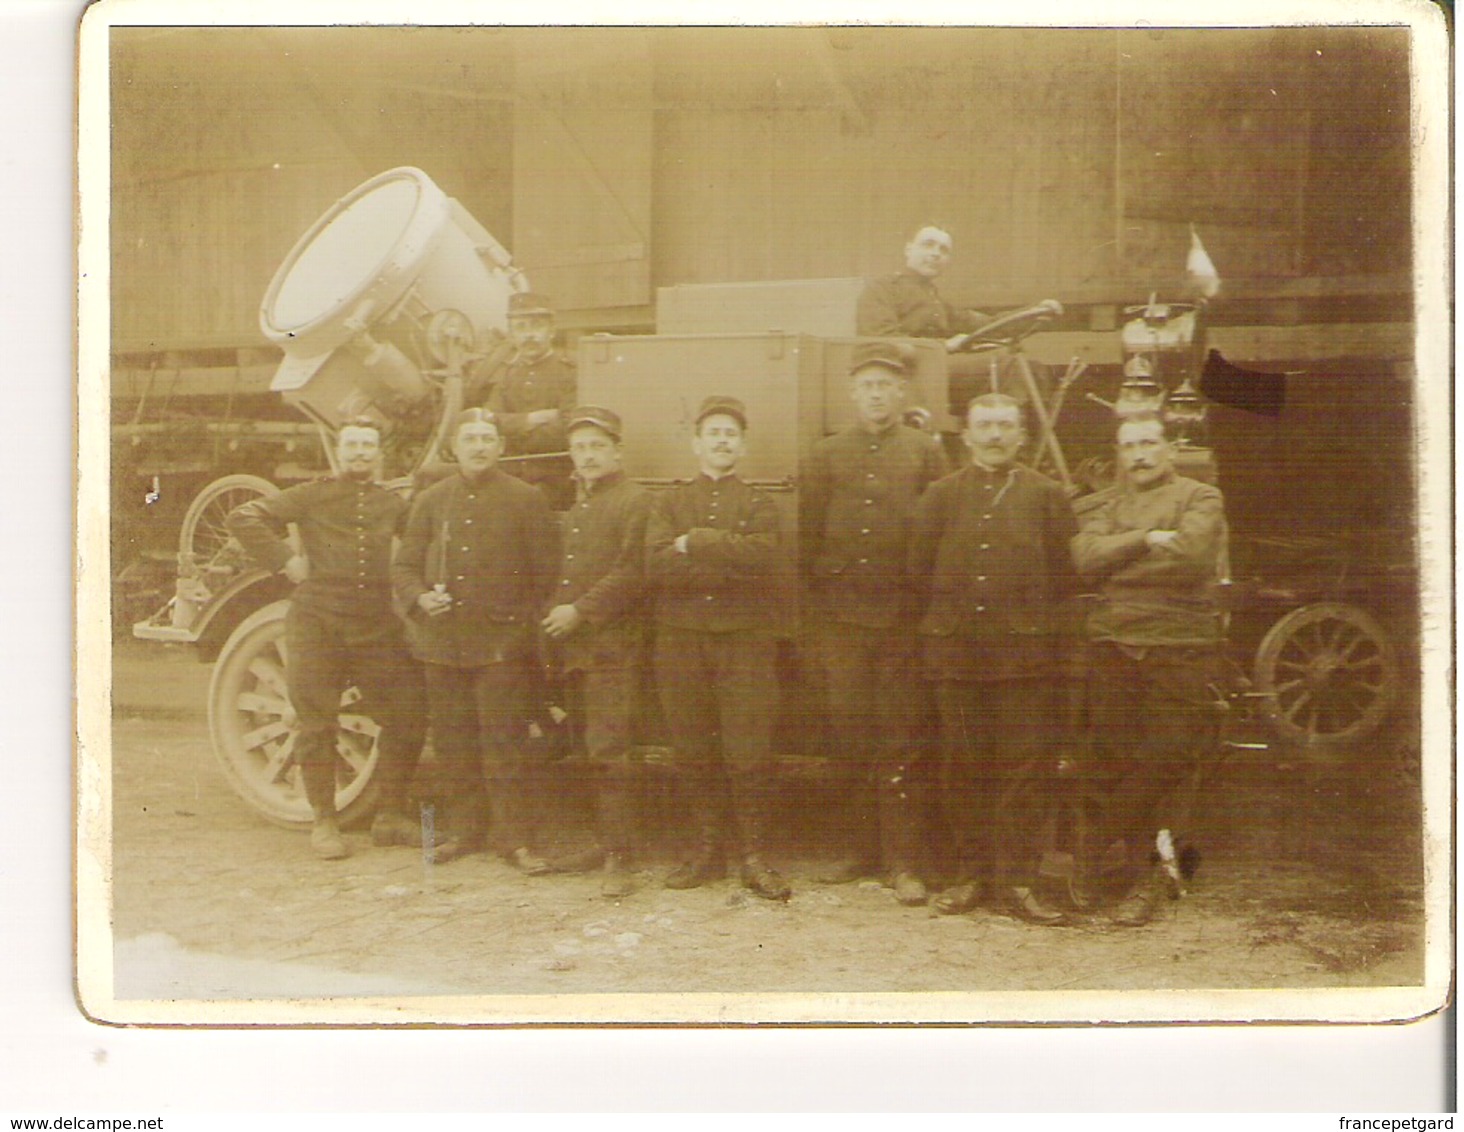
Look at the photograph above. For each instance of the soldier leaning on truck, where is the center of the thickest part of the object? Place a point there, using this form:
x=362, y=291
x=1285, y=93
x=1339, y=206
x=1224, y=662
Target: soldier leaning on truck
x=716, y=561
x=856, y=502
x=341, y=631
x=597, y=624
x=474, y=572
x=1156, y=550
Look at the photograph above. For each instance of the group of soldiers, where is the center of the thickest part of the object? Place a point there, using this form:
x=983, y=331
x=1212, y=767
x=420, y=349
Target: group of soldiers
x=923, y=593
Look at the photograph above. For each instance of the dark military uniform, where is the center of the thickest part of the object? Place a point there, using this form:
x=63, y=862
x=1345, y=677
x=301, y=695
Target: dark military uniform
x=992, y=550
x=718, y=617
x=548, y=382
x=856, y=503
x=340, y=630
x=1154, y=675
x=907, y=305
x=492, y=543
x=603, y=577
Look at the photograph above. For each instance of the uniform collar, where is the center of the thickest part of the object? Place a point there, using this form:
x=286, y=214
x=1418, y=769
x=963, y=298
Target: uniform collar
x=585, y=488
x=486, y=478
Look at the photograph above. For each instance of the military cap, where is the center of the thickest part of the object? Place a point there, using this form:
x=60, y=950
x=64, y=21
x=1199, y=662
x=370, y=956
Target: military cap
x=895, y=356
x=607, y=420
x=527, y=302
x=729, y=406
x=477, y=416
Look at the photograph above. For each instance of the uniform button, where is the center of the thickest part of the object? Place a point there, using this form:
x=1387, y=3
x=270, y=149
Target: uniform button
x=864, y=562
x=981, y=609
x=565, y=582
x=465, y=550
x=569, y=557
x=468, y=522
x=869, y=475
x=865, y=531
x=986, y=546
x=981, y=577
x=460, y=577
x=869, y=501
x=575, y=531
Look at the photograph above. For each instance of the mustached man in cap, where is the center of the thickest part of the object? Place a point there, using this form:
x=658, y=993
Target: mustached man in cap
x=598, y=623
x=991, y=551
x=1156, y=551
x=533, y=391
x=856, y=502
x=715, y=557
x=475, y=570
x=341, y=630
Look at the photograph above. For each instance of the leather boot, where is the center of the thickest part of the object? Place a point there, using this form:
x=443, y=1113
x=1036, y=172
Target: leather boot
x=705, y=865
x=326, y=841
x=761, y=879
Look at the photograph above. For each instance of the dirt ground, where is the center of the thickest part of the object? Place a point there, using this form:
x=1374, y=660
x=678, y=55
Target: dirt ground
x=1311, y=877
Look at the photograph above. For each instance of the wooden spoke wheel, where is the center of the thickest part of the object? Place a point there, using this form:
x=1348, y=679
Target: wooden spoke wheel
x=253, y=728
x=204, y=540
x=1326, y=674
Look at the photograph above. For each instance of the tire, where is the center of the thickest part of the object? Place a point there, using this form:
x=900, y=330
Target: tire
x=252, y=726
x=203, y=540
x=1327, y=676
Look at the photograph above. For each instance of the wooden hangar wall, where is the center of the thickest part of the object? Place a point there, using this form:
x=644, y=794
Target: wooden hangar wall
x=615, y=161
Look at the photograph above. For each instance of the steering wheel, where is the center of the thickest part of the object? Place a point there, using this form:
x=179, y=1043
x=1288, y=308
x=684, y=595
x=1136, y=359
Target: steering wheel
x=1010, y=328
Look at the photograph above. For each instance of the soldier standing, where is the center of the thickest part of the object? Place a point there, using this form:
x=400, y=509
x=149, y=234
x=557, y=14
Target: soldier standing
x=1157, y=550
x=341, y=631
x=715, y=558
x=857, y=500
x=475, y=570
x=598, y=619
x=991, y=548
x=531, y=396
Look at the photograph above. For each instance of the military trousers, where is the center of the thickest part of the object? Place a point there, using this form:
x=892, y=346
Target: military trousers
x=602, y=702
x=877, y=704
x=719, y=692
x=328, y=653
x=997, y=738
x=1153, y=715
x=480, y=720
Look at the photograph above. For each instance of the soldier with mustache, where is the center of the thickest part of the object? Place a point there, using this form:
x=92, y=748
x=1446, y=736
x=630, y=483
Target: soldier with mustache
x=715, y=557
x=1156, y=550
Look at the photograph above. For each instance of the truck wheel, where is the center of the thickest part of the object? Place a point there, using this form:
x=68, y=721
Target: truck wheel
x=203, y=540
x=1326, y=675
x=252, y=725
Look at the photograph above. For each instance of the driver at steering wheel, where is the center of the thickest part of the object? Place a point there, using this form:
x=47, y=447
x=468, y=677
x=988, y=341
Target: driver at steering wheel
x=907, y=305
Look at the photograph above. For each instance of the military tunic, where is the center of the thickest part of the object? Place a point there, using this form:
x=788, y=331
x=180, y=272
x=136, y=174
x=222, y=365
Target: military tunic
x=340, y=630
x=492, y=543
x=603, y=576
x=857, y=498
x=991, y=549
x=907, y=305
x=717, y=619
x=1154, y=682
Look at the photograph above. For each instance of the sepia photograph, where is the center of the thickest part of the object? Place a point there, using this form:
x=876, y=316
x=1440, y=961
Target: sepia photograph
x=831, y=523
